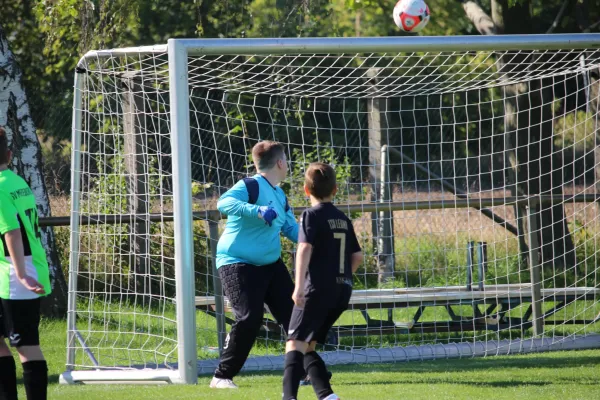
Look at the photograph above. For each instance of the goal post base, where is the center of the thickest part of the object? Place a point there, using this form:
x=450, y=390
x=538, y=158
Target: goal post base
x=333, y=358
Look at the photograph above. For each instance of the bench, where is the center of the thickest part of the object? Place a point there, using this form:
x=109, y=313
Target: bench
x=496, y=300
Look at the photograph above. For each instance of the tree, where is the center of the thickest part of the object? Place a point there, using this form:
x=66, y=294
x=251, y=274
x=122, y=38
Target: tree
x=529, y=134
x=16, y=117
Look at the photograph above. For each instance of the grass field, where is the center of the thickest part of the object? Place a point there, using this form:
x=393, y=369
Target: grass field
x=559, y=375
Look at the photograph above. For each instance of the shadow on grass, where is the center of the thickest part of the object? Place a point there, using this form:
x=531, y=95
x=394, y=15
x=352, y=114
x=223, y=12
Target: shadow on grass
x=458, y=381
x=478, y=364
x=52, y=379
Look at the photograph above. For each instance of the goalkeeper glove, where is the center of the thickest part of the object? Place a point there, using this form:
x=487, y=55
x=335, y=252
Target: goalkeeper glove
x=268, y=214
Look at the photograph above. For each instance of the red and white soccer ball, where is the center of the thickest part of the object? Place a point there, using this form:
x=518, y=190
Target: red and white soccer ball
x=411, y=15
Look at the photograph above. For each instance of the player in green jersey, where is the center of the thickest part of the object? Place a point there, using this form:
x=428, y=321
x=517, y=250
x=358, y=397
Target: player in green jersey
x=24, y=278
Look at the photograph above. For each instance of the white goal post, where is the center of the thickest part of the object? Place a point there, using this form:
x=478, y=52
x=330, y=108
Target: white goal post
x=467, y=163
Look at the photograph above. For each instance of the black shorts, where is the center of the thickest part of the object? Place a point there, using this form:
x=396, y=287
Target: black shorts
x=249, y=287
x=320, y=312
x=20, y=321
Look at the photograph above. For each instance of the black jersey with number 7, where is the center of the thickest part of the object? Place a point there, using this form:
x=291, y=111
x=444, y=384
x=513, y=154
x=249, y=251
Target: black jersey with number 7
x=332, y=236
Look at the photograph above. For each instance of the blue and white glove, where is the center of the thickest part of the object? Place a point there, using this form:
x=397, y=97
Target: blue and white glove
x=267, y=213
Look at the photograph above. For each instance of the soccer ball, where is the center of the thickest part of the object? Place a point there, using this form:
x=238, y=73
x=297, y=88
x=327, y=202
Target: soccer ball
x=411, y=15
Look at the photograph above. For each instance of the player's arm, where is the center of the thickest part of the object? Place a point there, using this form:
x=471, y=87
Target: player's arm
x=302, y=260
x=10, y=229
x=357, y=256
x=357, y=260
x=235, y=202
x=14, y=244
x=290, y=226
x=306, y=239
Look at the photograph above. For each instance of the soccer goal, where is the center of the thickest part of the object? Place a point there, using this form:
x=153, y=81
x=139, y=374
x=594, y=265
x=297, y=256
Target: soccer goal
x=469, y=166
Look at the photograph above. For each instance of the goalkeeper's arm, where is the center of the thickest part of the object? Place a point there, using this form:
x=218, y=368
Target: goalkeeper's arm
x=290, y=226
x=235, y=202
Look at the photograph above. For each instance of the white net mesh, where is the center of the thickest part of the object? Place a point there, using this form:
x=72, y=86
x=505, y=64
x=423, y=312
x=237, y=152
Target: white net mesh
x=465, y=173
x=125, y=280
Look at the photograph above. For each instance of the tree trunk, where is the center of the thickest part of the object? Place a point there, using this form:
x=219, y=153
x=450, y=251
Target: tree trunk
x=27, y=162
x=583, y=21
x=486, y=26
x=538, y=166
x=529, y=130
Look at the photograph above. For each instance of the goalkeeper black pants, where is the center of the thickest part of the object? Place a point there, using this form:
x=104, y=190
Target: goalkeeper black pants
x=249, y=288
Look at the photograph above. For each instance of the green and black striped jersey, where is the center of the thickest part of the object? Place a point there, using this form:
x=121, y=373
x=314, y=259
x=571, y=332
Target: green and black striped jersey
x=18, y=211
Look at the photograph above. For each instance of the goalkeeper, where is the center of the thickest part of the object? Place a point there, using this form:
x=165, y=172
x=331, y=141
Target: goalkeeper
x=248, y=256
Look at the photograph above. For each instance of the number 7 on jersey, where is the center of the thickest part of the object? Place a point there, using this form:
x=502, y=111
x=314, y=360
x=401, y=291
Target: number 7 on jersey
x=342, y=237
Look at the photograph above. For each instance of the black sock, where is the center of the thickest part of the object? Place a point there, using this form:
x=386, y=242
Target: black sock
x=35, y=378
x=319, y=377
x=8, y=378
x=293, y=371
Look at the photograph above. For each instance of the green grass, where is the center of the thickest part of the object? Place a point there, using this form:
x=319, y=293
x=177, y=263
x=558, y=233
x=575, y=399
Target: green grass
x=559, y=375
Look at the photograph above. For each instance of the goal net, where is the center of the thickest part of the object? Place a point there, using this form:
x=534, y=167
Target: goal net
x=469, y=167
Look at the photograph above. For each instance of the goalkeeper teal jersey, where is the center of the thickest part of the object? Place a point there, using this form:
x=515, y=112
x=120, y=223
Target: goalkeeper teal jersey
x=247, y=238
x=18, y=211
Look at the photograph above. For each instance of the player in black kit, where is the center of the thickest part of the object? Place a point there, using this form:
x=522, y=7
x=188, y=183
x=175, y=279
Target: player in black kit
x=328, y=254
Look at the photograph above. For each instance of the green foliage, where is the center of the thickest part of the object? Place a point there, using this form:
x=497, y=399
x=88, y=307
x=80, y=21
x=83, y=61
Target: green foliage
x=57, y=163
x=87, y=24
x=107, y=249
x=49, y=36
x=103, y=247
x=62, y=237
x=586, y=242
x=576, y=131
x=322, y=152
x=440, y=261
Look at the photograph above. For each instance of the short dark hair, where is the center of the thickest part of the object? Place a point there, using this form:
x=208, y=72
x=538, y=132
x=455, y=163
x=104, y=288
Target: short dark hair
x=320, y=180
x=3, y=146
x=266, y=154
